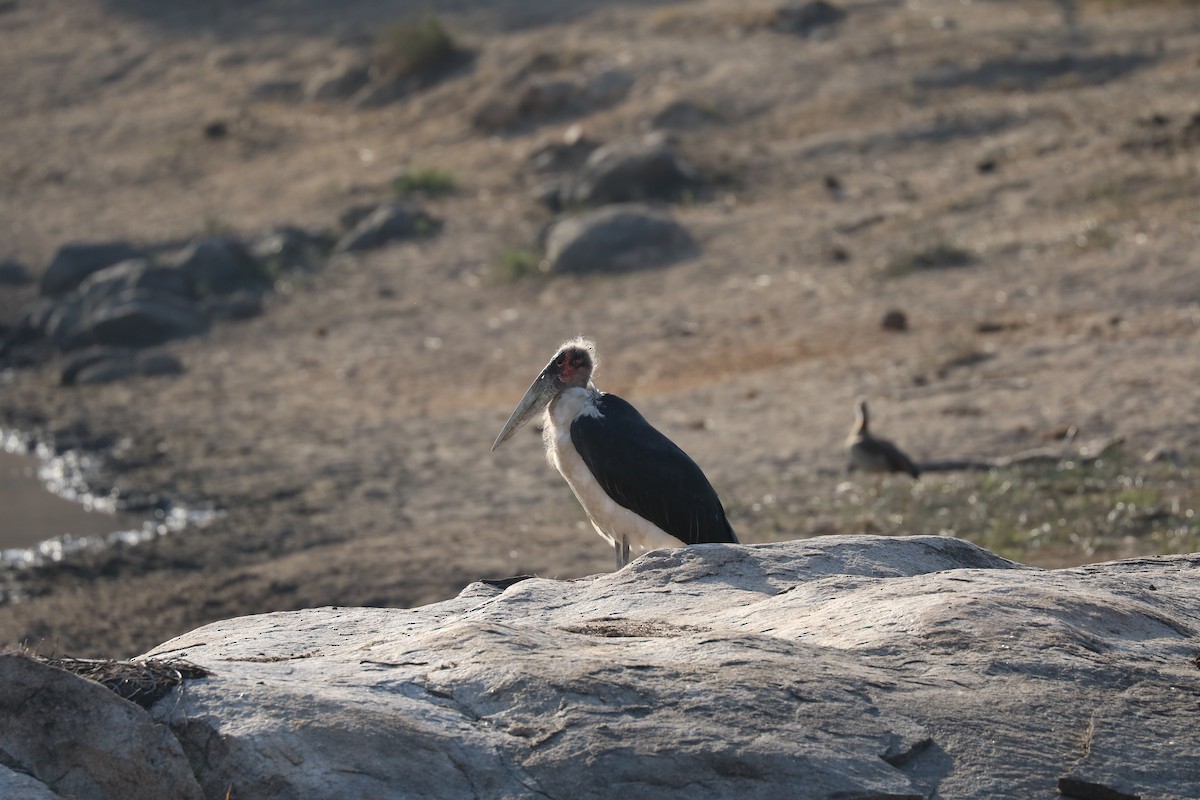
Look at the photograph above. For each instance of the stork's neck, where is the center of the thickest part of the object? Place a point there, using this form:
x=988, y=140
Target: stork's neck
x=565, y=408
x=570, y=403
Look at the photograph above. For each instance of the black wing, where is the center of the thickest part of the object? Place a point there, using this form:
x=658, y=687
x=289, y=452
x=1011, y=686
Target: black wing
x=647, y=473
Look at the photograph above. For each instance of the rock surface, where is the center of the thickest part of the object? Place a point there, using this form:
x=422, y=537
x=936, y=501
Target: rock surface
x=64, y=736
x=633, y=170
x=74, y=262
x=850, y=667
x=220, y=265
x=387, y=223
x=107, y=364
x=614, y=238
x=535, y=95
x=13, y=273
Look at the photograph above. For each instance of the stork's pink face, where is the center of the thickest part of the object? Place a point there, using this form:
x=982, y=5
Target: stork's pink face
x=571, y=367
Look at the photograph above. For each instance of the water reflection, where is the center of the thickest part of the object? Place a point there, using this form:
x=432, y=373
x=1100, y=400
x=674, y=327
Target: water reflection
x=29, y=513
x=46, y=510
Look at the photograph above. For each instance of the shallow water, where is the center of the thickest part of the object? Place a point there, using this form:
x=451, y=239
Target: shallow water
x=30, y=513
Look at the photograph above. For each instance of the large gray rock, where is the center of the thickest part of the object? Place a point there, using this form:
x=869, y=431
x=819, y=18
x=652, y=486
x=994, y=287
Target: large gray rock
x=616, y=238
x=287, y=249
x=534, y=96
x=74, y=262
x=140, y=318
x=138, y=273
x=108, y=364
x=62, y=735
x=803, y=17
x=387, y=223
x=236, y=306
x=848, y=667
x=130, y=304
x=13, y=273
x=221, y=265
x=19, y=786
x=631, y=170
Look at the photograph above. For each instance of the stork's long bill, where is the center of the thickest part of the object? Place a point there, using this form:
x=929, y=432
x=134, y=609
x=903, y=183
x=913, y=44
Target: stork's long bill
x=541, y=392
x=571, y=366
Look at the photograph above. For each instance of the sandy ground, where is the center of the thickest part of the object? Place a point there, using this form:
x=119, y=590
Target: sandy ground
x=345, y=433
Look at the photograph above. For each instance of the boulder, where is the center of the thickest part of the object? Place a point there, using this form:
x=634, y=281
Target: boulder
x=19, y=786
x=109, y=364
x=62, y=324
x=74, y=262
x=561, y=155
x=387, y=223
x=288, y=249
x=236, y=306
x=140, y=318
x=220, y=265
x=138, y=273
x=98, y=365
x=804, y=17
x=130, y=304
x=616, y=238
x=534, y=96
x=64, y=736
x=31, y=324
x=624, y=171
x=549, y=193
x=847, y=666
x=13, y=273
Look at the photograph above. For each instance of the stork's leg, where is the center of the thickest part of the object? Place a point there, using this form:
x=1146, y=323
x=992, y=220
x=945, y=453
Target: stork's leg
x=622, y=549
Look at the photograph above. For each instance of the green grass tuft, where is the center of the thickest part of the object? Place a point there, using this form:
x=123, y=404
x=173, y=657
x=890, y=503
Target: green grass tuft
x=518, y=263
x=415, y=49
x=430, y=181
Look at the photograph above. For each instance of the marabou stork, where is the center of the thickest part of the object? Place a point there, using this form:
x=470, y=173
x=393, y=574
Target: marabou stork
x=640, y=491
x=872, y=454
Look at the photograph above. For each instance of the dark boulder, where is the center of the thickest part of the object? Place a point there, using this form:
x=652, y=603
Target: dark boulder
x=387, y=223
x=62, y=325
x=137, y=273
x=562, y=155
x=13, y=273
x=66, y=736
x=77, y=260
x=289, y=249
x=804, y=18
x=139, y=318
x=631, y=170
x=616, y=238
x=220, y=265
x=96, y=365
x=533, y=97
x=236, y=306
